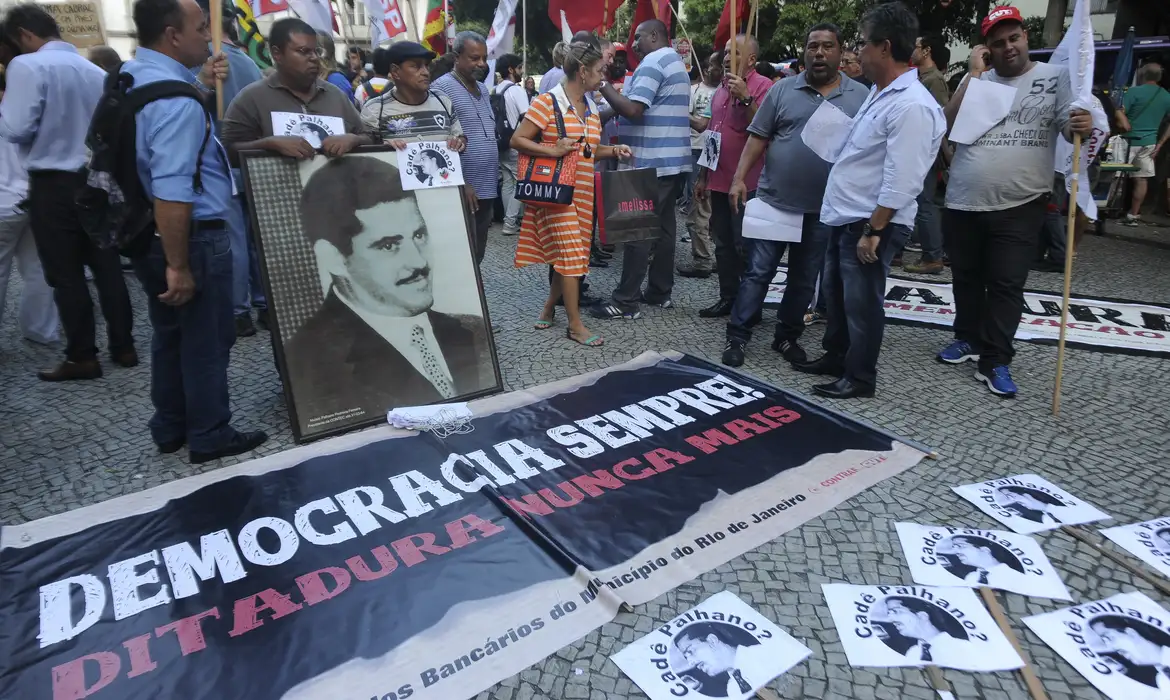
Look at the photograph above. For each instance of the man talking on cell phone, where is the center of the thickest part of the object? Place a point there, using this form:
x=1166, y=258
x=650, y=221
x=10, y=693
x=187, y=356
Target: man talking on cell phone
x=998, y=194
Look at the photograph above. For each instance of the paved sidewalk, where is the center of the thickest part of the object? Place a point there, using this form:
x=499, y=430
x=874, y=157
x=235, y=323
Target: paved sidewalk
x=64, y=446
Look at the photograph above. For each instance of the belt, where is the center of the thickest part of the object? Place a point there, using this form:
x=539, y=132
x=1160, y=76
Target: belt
x=208, y=225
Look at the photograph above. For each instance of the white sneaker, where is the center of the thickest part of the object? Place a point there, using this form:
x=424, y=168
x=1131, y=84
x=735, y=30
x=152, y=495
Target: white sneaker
x=1131, y=220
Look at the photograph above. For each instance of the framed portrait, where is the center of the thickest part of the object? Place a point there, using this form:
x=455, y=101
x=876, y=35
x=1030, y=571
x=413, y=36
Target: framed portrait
x=373, y=292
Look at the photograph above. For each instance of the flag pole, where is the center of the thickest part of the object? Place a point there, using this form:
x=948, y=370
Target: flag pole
x=1035, y=687
x=216, y=7
x=1068, y=263
x=743, y=70
x=524, y=36
x=734, y=34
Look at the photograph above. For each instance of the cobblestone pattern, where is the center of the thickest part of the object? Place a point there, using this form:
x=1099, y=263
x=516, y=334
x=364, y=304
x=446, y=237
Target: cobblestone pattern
x=64, y=446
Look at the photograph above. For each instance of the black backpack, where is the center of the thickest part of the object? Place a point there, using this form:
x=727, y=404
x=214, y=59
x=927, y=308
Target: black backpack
x=114, y=208
x=504, y=131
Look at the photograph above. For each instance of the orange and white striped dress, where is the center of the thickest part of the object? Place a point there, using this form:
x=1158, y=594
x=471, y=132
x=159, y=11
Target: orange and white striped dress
x=560, y=235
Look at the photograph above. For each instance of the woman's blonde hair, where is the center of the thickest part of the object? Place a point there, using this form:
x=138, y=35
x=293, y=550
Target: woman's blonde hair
x=580, y=55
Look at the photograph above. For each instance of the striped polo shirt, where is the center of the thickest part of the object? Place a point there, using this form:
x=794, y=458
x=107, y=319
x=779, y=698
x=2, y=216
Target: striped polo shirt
x=481, y=159
x=662, y=139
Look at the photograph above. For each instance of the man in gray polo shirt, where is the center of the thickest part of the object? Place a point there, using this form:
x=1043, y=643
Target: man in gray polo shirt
x=793, y=180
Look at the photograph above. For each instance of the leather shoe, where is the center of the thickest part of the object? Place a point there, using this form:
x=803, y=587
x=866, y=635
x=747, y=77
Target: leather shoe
x=126, y=358
x=825, y=364
x=694, y=273
x=171, y=446
x=238, y=445
x=733, y=353
x=719, y=308
x=68, y=371
x=844, y=389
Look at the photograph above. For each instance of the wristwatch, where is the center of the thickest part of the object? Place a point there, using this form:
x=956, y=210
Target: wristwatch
x=868, y=231
x=747, y=101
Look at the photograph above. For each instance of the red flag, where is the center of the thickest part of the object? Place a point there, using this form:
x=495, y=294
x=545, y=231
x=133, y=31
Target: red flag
x=585, y=15
x=646, y=10
x=723, y=30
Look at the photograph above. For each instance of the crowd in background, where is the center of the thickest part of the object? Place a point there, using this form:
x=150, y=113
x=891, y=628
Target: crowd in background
x=858, y=212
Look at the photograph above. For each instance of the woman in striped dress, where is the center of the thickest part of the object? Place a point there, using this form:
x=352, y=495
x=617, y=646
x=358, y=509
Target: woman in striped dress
x=560, y=235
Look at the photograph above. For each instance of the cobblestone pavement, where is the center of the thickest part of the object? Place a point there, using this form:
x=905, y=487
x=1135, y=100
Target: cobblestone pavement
x=63, y=446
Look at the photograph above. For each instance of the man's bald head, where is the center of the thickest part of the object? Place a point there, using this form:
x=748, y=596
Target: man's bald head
x=105, y=57
x=747, y=50
x=650, y=36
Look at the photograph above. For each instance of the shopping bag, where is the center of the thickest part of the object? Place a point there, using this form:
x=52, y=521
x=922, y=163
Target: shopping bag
x=626, y=199
x=544, y=180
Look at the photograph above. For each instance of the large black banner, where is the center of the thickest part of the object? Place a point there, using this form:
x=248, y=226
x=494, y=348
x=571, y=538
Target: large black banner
x=424, y=567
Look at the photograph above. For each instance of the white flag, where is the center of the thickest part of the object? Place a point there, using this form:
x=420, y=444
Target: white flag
x=566, y=30
x=317, y=13
x=386, y=20
x=1076, y=53
x=501, y=38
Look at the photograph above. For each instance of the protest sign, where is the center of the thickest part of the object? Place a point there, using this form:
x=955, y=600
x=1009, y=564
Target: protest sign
x=1028, y=503
x=1148, y=541
x=80, y=23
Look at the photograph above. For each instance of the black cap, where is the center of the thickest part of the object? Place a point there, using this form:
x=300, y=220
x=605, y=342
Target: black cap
x=406, y=50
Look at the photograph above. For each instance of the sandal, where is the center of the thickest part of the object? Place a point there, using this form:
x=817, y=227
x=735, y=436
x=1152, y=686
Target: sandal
x=542, y=325
x=593, y=341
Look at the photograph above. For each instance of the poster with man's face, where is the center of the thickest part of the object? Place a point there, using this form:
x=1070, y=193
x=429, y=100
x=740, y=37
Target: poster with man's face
x=374, y=289
x=1028, y=503
x=918, y=626
x=951, y=556
x=1120, y=644
x=721, y=648
x=1148, y=541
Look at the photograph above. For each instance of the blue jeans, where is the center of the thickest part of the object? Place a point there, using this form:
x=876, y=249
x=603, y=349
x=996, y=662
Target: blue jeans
x=927, y=221
x=805, y=260
x=688, y=193
x=191, y=344
x=247, y=288
x=855, y=295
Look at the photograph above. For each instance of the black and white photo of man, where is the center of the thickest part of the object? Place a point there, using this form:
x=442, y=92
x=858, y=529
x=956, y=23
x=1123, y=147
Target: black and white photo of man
x=313, y=133
x=936, y=636
x=1030, y=504
x=428, y=165
x=1162, y=541
x=732, y=658
x=1143, y=649
x=376, y=342
x=981, y=561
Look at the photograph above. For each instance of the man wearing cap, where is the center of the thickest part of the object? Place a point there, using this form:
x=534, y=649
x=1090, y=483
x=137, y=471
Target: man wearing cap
x=998, y=194
x=409, y=110
x=283, y=101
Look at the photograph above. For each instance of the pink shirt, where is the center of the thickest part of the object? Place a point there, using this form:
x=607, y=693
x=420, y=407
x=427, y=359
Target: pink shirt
x=730, y=119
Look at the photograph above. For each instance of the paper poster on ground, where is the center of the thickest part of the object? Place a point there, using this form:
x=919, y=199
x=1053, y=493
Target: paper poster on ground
x=1120, y=644
x=426, y=165
x=952, y=556
x=313, y=128
x=722, y=648
x=1028, y=503
x=918, y=626
x=1148, y=541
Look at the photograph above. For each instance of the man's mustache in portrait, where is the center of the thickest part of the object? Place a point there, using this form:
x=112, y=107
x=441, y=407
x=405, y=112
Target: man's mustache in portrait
x=420, y=273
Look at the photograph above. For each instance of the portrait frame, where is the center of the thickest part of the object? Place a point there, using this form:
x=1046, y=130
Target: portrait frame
x=305, y=300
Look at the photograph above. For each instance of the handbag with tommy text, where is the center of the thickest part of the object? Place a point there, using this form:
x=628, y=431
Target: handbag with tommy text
x=544, y=180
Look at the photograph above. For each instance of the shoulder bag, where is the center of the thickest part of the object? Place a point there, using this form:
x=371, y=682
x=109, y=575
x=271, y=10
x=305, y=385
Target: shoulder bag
x=545, y=180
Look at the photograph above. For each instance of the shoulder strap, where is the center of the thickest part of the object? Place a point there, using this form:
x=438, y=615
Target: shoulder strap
x=368, y=87
x=138, y=98
x=559, y=117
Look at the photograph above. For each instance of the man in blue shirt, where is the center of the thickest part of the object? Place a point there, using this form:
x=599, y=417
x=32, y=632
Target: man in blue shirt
x=247, y=288
x=187, y=274
x=51, y=96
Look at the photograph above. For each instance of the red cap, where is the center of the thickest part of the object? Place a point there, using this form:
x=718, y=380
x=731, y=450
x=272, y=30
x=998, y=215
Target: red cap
x=1001, y=14
x=619, y=46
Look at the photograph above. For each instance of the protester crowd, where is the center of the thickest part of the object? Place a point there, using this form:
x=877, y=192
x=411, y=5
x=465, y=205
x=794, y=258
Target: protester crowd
x=857, y=211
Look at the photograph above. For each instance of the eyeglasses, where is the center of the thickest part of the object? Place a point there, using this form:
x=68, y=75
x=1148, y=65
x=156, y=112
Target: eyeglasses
x=309, y=52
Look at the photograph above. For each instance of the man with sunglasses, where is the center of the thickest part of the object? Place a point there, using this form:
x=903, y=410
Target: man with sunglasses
x=295, y=93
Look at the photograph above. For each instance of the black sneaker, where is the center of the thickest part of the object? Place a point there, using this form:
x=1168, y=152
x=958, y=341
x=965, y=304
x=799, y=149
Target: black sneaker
x=609, y=311
x=262, y=319
x=664, y=304
x=790, y=351
x=733, y=353
x=244, y=327
x=238, y=445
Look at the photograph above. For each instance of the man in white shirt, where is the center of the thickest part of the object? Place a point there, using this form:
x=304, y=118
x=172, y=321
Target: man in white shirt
x=509, y=66
x=929, y=626
x=376, y=342
x=997, y=196
x=716, y=648
x=991, y=563
x=870, y=200
x=38, y=313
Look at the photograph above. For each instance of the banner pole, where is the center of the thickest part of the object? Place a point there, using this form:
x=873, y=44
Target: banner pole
x=743, y=70
x=216, y=7
x=1135, y=570
x=1030, y=677
x=734, y=34
x=524, y=36
x=1068, y=263
x=938, y=682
